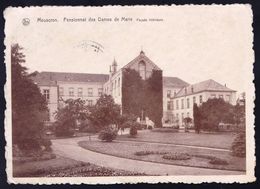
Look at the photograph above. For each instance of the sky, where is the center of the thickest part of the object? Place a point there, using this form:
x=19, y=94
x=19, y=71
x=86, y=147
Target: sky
x=194, y=43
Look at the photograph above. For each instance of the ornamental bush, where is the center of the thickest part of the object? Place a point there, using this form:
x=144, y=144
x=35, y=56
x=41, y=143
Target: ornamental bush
x=107, y=135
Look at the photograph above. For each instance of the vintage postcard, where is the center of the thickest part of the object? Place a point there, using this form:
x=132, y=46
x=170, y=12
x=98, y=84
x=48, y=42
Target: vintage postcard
x=129, y=94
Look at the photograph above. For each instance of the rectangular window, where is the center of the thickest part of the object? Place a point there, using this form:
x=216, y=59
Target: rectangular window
x=188, y=114
x=100, y=91
x=90, y=91
x=71, y=91
x=194, y=100
x=182, y=116
x=221, y=96
x=200, y=98
x=228, y=98
x=182, y=103
x=61, y=91
x=169, y=93
x=169, y=105
x=177, y=104
x=90, y=102
x=80, y=92
x=46, y=94
x=188, y=103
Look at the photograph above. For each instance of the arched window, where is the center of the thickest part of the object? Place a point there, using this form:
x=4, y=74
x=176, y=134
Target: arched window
x=142, y=69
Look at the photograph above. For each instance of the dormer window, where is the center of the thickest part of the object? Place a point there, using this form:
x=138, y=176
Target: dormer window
x=142, y=69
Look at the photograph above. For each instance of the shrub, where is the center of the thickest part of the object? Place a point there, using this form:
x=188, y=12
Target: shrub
x=218, y=161
x=133, y=131
x=64, y=128
x=150, y=127
x=107, y=135
x=144, y=153
x=47, y=144
x=239, y=145
x=177, y=156
x=88, y=127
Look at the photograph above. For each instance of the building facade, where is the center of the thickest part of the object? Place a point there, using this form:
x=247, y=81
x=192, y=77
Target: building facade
x=177, y=96
x=198, y=93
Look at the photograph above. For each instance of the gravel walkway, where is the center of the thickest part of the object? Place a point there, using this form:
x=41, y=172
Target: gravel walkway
x=69, y=148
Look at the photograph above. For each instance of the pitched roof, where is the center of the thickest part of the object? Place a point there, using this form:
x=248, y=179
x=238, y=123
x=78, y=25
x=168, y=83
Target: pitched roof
x=208, y=85
x=174, y=82
x=142, y=57
x=50, y=78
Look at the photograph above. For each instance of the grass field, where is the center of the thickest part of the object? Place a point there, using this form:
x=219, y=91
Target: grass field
x=128, y=150
x=216, y=140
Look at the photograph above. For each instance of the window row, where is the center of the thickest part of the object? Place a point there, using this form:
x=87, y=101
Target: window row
x=176, y=117
x=80, y=92
x=170, y=104
x=227, y=97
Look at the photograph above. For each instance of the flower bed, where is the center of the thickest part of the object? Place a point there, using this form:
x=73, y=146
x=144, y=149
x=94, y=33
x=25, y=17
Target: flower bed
x=144, y=153
x=177, y=156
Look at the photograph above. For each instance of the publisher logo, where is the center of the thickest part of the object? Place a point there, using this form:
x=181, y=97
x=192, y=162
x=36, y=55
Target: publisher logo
x=26, y=21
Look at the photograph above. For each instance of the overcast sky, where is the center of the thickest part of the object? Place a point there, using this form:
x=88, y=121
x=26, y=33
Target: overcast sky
x=192, y=43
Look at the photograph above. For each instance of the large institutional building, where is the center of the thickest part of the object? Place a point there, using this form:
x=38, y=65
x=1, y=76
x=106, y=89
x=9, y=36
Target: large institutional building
x=178, y=96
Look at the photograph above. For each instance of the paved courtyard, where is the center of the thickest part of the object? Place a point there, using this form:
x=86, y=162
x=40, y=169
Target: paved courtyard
x=69, y=148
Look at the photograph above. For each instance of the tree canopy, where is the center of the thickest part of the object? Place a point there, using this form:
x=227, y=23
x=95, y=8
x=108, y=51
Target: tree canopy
x=29, y=107
x=105, y=112
x=213, y=112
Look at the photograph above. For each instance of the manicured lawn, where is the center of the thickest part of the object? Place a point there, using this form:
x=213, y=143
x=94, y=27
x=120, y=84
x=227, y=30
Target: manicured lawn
x=64, y=167
x=128, y=150
x=216, y=140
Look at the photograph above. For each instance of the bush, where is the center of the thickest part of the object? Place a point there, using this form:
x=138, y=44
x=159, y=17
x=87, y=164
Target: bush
x=150, y=127
x=88, y=127
x=29, y=144
x=107, y=135
x=218, y=161
x=47, y=144
x=177, y=156
x=64, y=129
x=239, y=145
x=133, y=131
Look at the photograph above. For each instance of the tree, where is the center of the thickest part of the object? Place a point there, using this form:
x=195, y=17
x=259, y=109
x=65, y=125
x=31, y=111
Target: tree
x=213, y=112
x=105, y=112
x=72, y=111
x=29, y=107
x=197, y=118
x=142, y=97
x=187, y=122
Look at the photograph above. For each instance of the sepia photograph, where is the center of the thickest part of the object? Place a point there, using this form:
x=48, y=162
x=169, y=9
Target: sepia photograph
x=129, y=94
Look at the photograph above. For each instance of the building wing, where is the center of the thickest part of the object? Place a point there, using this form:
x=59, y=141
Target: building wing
x=208, y=85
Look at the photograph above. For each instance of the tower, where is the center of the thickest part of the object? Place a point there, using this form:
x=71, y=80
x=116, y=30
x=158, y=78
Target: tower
x=114, y=66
